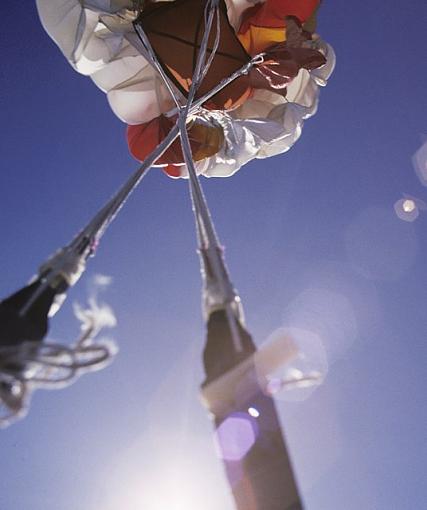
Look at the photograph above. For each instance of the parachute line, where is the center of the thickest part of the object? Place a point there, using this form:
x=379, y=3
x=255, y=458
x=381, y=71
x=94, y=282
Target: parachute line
x=204, y=223
x=27, y=365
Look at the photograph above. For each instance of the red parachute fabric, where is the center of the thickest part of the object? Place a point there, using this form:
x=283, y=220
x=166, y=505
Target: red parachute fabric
x=144, y=138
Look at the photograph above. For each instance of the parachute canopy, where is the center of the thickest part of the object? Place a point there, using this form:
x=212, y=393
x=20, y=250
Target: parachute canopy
x=257, y=116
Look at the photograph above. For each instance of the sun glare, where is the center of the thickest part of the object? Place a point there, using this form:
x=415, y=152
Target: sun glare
x=166, y=474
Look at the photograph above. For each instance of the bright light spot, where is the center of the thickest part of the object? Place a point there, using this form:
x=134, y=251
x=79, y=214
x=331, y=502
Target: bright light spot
x=408, y=205
x=406, y=209
x=253, y=412
x=235, y=436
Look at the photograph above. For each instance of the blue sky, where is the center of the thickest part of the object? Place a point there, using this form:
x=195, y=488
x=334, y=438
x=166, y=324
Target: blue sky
x=312, y=242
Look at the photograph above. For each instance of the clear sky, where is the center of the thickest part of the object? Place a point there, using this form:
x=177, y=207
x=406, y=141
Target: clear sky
x=312, y=242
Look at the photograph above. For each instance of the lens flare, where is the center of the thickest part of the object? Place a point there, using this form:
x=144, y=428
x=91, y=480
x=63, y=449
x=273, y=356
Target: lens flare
x=406, y=209
x=236, y=435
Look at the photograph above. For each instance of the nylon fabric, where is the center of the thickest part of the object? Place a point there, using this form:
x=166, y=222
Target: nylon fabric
x=98, y=40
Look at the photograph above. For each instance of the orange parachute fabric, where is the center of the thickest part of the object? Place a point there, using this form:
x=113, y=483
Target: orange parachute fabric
x=264, y=24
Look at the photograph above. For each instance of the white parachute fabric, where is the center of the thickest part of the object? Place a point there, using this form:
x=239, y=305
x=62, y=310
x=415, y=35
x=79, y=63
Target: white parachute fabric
x=98, y=39
x=93, y=36
x=267, y=124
